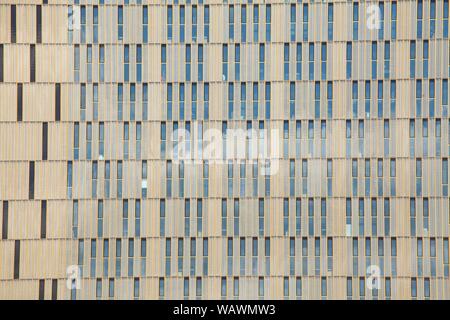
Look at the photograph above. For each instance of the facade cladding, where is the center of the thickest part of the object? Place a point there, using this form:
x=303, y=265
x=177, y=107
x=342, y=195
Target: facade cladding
x=94, y=204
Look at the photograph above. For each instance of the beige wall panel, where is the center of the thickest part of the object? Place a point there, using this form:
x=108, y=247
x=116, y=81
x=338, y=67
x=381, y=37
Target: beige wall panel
x=24, y=220
x=54, y=63
x=5, y=23
x=43, y=259
x=8, y=105
x=7, y=269
x=51, y=180
x=15, y=180
x=60, y=141
x=16, y=59
x=38, y=102
x=56, y=30
x=59, y=219
x=23, y=141
x=17, y=290
x=26, y=24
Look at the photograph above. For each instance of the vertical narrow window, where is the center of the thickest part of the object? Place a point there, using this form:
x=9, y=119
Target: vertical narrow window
x=44, y=141
x=355, y=20
x=132, y=102
x=293, y=18
x=330, y=21
x=83, y=102
x=5, y=221
x=206, y=101
x=101, y=62
x=1, y=62
x=243, y=23
x=419, y=18
x=16, y=259
x=38, y=24
x=75, y=219
x=387, y=58
x=255, y=22
x=298, y=61
x=206, y=22
x=414, y=288
x=111, y=288
x=54, y=289
x=261, y=61
x=145, y=24
x=126, y=63
x=194, y=23
x=236, y=216
x=381, y=29
x=69, y=179
x=163, y=62
x=76, y=63
x=394, y=19
x=169, y=22
x=120, y=23
x=94, y=179
x=19, y=102
x=286, y=61
x=305, y=21
x=268, y=22
x=432, y=18
x=182, y=23
x=412, y=59
x=286, y=216
x=231, y=22
x=43, y=219
x=374, y=60
x=95, y=23
x=100, y=218
x=348, y=59
x=13, y=24
x=311, y=61
x=323, y=58
x=267, y=100
x=31, y=180
x=95, y=101
x=83, y=24
x=445, y=15
x=162, y=218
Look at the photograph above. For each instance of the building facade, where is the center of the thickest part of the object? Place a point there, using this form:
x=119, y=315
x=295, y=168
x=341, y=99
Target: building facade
x=96, y=204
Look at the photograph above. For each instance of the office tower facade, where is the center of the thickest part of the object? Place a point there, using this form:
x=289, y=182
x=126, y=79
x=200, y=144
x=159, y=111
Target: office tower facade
x=97, y=202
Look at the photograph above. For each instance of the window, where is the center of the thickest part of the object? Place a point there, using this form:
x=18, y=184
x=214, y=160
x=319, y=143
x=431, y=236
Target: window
x=206, y=22
x=231, y=22
x=323, y=58
x=432, y=18
x=387, y=58
x=268, y=22
x=286, y=61
x=261, y=61
x=194, y=23
x=330, y=22
x=311, y=61
x=412, y=59
x=348, y=59
x=236, y=216
x=169, y=22
x=182, y=23
x=145, y=24
x=120, y=23
x=293, y=18
x=305, y=21
x=355, y=20
x=101, y=62
x=394, y=19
